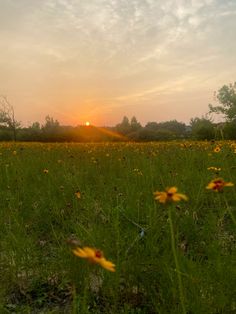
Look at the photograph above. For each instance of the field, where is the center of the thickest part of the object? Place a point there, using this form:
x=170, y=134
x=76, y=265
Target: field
x=170, y=257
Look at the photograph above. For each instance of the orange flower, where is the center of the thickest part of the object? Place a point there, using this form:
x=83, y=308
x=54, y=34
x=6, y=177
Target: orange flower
x=170, y=194
x=94, y=256
x=217, y=149
x=218, y=184
x=78, y=194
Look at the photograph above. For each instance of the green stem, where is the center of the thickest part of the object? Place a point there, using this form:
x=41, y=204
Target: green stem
x=230, y=211
x=181, y=293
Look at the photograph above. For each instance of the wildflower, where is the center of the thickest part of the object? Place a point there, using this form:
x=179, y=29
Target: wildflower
x=214, y=169
x=217, y=149
x=78, y=194
x=170, y=194
x=218, y=184
x=14, y=152
x=45, y=170
x=94, y=256
x=137, y=171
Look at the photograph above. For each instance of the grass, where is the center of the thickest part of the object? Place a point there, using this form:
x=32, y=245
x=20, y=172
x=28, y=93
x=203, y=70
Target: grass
x=177, y=258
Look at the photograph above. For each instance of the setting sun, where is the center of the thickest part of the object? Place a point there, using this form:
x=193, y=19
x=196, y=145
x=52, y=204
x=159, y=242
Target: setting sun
x=87, y=123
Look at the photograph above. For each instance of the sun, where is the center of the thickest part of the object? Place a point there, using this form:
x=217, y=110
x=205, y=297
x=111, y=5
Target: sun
x=87, y=123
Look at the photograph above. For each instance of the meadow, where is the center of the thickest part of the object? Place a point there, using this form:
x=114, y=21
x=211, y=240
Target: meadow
x=170, y=256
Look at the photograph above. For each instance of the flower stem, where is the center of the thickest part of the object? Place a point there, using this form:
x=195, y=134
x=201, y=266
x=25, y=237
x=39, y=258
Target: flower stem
x=230, y=211
x=181, y=293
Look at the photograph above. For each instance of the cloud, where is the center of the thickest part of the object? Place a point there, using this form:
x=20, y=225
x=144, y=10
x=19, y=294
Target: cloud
x=115, y=50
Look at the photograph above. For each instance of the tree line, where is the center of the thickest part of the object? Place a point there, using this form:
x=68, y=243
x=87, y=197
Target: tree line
x=199, y=128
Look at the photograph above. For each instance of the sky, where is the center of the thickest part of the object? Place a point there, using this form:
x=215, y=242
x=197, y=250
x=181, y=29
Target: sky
x=100, y=60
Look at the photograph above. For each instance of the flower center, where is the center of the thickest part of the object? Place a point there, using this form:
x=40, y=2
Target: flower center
x=98, y=254
x=218, y=185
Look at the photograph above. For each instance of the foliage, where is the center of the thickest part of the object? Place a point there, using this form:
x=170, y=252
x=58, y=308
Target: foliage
x=177, y=128
x=124, y=127
x=134, y=125
x=202, y=128
x=229, y=130
x=7, y=116
x=226, y=97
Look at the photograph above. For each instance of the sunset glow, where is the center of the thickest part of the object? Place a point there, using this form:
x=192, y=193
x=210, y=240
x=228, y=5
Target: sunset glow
x=75, y=59
x=87, y=123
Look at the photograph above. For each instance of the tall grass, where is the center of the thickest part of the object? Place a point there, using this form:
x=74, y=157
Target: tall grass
x=168, y=260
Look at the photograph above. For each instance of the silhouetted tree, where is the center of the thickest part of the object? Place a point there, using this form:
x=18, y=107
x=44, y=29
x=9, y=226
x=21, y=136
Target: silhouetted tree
x=152, y=126
x=202, y=128
x=226, y=97
x=50, y=124
x=51, y=129
x=124, y=127
x=7, y=116
x=171, y=129
x=229, y=130
x=134, y=124
x=35, y=126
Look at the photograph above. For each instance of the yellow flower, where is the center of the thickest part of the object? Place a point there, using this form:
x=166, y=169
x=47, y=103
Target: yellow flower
x=45, y=170
x=78, y=194
x=218, y=184
x=14, y=152
x=170, y=194
x=94, y=256
x=217, y=149
x=214, y=169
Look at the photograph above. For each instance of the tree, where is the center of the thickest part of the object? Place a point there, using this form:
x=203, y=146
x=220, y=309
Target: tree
x=35, y=126
x=134, y=124
x=51, y=129
x=7, y=116
x=226, y=97
x=153, y=126
x=50, y=124
x=173, y=128
x=229, y=129
x=34, y=131
x=124, y=127
x=202, y=128
x=177, y=128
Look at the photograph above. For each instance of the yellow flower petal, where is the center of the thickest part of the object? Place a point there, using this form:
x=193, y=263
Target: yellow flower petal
x=169, y=195
x=94, y=256
x=107, y=264
x=172, y=190
x=183, y=197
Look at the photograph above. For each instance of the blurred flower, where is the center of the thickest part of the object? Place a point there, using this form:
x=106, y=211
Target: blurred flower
x=217, y=149
x=45, y=170
x=78, y=194
x=137, y=171
x=170, y=194
x=218, y=184
x=14, y=152
x=214, y=169
x=94, y=256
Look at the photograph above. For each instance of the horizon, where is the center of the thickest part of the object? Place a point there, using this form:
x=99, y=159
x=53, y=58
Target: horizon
x=143, y=125
x=82, y=61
